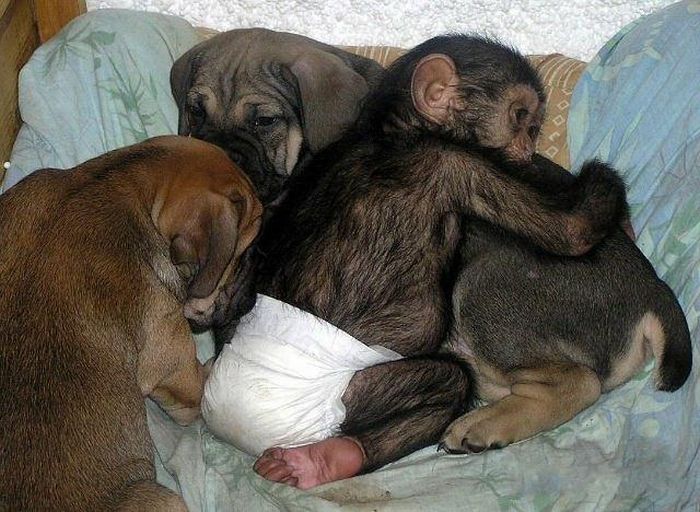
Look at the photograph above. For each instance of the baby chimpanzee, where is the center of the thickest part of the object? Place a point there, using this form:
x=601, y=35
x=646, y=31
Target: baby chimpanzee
x=368, y=238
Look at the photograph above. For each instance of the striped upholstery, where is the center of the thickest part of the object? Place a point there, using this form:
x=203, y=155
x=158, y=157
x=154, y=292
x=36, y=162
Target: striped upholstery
x=385, y=55
x=559, y=75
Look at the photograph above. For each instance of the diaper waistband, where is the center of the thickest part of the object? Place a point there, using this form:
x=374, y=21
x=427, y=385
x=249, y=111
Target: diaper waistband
x=272, y=318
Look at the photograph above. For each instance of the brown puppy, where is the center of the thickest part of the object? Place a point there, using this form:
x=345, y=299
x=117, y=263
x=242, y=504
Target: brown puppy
x=97, y=265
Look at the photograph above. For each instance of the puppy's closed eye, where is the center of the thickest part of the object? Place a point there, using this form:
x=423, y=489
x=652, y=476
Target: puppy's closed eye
x=196, y=111
x=264, y=121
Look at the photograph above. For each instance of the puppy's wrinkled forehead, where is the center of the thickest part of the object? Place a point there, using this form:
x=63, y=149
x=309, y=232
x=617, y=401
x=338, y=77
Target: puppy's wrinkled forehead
x=252, y=80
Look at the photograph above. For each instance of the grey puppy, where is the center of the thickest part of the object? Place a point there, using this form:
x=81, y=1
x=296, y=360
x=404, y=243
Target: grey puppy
x=270, y=99
x=547, y=334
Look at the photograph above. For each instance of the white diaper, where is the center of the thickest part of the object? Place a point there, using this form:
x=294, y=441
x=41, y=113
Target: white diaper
x=280, y=380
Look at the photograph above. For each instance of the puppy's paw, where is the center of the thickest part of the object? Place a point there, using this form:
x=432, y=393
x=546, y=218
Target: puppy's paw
x=472, y=433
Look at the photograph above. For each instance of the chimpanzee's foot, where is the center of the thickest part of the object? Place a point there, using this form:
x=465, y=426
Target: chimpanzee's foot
x=312, y=464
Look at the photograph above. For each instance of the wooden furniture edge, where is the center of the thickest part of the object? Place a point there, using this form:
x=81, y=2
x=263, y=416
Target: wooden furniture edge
x=52, y=15
x=24, y=25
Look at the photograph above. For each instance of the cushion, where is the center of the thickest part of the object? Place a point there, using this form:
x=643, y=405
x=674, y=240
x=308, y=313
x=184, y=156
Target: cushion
x=559, y=76
x=94, y=88
x=636, y=106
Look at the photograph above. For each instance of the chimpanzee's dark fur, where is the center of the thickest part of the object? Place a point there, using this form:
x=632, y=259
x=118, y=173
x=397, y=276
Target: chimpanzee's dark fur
x=367, y=238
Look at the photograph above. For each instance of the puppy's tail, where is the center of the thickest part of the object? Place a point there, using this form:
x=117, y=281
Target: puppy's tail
x=666, y=331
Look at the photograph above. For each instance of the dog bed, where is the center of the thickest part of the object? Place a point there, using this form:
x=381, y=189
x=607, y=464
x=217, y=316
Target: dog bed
x=103, y=83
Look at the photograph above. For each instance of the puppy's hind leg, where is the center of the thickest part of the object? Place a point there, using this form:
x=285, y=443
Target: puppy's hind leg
x=540, y=399
x=180, y=393
x=170, y=373
x=147, y=495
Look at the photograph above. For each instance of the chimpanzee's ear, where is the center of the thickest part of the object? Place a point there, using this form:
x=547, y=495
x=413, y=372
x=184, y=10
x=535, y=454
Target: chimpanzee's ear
x=434, y=88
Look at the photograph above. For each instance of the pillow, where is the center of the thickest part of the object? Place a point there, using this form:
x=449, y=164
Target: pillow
x=637, y=106
x=101, y=83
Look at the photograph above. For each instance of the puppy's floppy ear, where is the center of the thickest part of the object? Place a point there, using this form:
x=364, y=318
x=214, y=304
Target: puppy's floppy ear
x=203, y=239
x=181, y=75
x=330, y=96
x=250, y=214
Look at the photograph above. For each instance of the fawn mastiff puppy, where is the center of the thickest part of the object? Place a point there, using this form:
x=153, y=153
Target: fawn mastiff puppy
x=101, y=267
x=271, y=99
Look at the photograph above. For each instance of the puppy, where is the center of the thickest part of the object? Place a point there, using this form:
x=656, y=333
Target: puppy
x=101, y=266
x=271, y=99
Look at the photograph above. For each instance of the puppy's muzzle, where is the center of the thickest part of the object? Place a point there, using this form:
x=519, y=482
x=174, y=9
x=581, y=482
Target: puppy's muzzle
x=247, y=151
